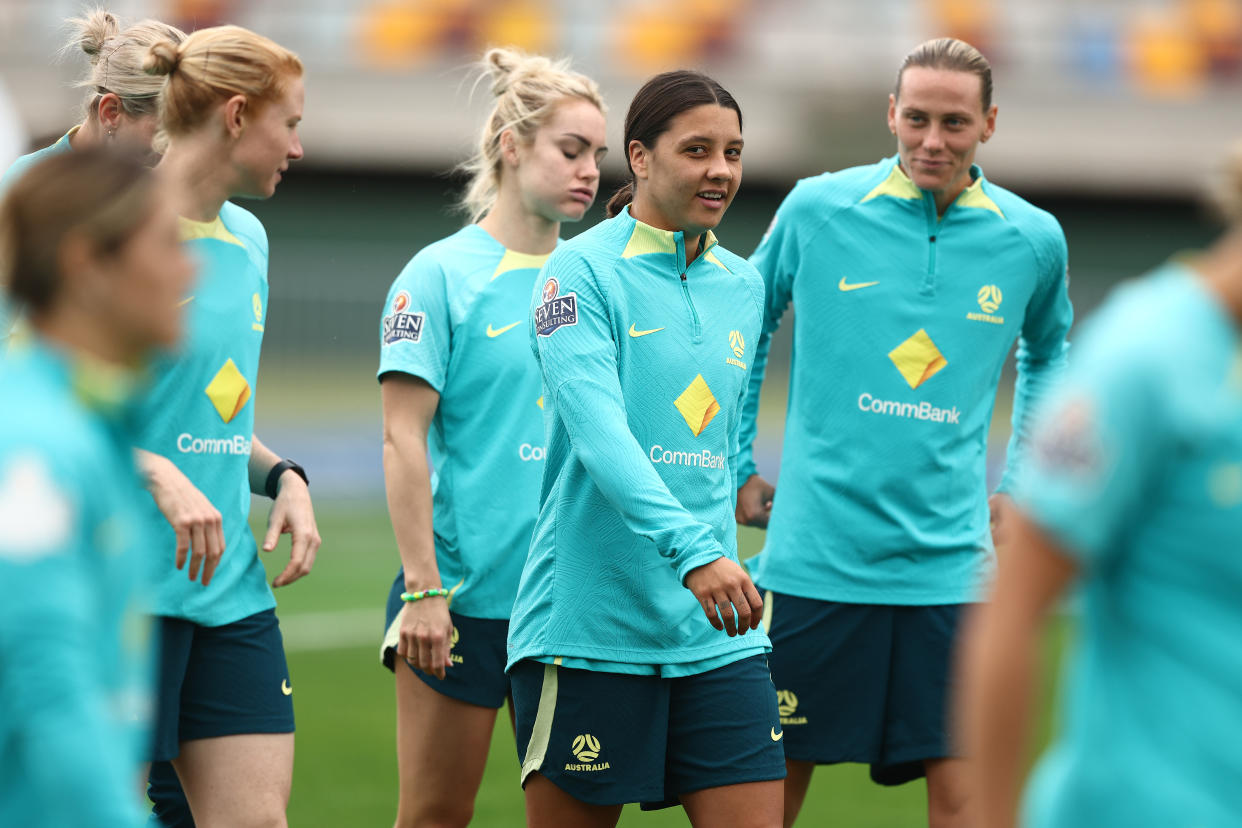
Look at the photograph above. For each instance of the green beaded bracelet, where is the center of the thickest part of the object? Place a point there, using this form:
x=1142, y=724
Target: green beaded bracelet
x=426, y=593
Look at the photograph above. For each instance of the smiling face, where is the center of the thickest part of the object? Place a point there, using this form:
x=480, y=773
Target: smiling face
x=939, y=121
x=268, y=141
x=689, y=178
x=557, y=172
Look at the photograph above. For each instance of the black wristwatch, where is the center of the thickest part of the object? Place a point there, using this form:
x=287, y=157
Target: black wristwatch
x=277, y=470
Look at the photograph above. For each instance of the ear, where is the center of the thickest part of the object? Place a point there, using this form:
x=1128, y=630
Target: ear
x=235, y=116
x=892, y=113
x=109, y=111
x=509, y=148
x=989, y=124
x=82, y=278
x=640, y=158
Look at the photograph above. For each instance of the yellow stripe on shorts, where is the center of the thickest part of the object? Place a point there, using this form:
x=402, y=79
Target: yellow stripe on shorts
x=537, y=748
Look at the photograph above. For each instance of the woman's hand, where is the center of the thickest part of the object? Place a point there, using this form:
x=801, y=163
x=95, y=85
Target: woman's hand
x=724, y=589
x=198, y=525
x=426, y=635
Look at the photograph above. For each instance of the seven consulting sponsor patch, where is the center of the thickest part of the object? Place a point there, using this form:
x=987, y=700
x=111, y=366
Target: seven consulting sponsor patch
x=401, y=326
x=556, y=311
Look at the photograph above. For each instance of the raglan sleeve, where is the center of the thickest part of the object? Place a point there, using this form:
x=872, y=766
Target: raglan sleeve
x=1098, y=442
x=574, y=341
x=1043, y=345
x=416, y=330
x=777, y=260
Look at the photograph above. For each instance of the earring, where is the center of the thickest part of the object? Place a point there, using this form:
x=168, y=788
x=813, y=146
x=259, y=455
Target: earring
x=111, y=134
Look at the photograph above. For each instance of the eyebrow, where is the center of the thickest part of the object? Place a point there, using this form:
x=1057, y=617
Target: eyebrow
x=914, y=110
x=705, y=139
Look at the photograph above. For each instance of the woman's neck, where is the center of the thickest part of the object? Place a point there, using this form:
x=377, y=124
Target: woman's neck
x=198, y=174
x=517, y=228
x=642, y=210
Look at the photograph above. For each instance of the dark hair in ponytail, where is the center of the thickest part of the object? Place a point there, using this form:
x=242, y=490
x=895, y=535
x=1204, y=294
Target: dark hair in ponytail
x=660, y=100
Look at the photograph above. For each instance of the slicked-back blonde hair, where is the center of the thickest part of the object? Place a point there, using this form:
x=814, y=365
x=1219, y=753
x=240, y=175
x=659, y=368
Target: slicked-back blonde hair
x=116, y=54
x=213, y=64
x=527, y=88
x=954, y=55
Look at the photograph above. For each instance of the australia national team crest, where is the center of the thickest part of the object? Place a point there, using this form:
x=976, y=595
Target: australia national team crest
x=556, y=311
x=401, y=324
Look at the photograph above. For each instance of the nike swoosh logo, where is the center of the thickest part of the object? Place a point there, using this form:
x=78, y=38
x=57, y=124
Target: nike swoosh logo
x=843, y=285
x=288, y=691
x=637, y=334
x=776, y=737
x=495, y=332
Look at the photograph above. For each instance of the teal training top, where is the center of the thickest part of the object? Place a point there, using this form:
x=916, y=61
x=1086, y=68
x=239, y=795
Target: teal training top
x=904, y=321
x=645, y=363
x=456, y=317
x=200, y=415
x=75, y=654
x=15, y=171
x=1136, y=470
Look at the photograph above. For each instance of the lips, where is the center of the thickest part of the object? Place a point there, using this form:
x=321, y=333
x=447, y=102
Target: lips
x=712, y=199
x=582, y=194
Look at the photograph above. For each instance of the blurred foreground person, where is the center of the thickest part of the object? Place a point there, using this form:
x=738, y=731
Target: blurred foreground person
x=638, y=672
x=230, y=108
x=120, y=104
x=1134, y=493
x=456, y=366
x=91, y=250
x=911, y=279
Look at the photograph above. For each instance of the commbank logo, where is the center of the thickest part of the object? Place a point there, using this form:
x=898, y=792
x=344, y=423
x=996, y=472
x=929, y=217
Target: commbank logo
x=786, y=707
x=918, y=359
x=228, y=391
x=697, y=405
x=586, y=750
x=989, y=298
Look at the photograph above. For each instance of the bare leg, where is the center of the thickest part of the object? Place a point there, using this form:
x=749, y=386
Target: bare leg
x=947, y=800
x=747, y=805
x=547, y=806
x=797, y=780
x=238, y=781
x=439, y=777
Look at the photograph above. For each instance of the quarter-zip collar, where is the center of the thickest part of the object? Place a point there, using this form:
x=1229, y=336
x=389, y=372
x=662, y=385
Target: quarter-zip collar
x=646, y=239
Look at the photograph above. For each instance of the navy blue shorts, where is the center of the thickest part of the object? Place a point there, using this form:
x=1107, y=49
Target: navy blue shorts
x=863, y=683
x=220, y=681
x=479, y=652
x=611, y=738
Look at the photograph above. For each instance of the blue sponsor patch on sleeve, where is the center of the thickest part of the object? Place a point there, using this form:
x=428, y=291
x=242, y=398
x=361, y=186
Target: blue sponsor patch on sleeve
x=403, y=327
x=556, y=311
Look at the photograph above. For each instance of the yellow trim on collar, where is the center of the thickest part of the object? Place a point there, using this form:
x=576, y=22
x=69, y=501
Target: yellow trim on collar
x=711, y=257
x=897, y=185
x=646, y=239
x=215, y=229
x=974, y=196
x=513, y=260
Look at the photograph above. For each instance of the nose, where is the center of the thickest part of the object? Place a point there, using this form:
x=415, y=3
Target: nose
x=295, y=150
x=719, y=169
x=590, y=171
x=934, y=139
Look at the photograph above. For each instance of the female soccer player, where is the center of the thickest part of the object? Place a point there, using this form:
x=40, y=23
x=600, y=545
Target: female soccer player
x=1134, y=492
x=455, y=365
x=92, y=253
x=121, y=103
x=912, y=278
x=623, y=687
x=230, y=107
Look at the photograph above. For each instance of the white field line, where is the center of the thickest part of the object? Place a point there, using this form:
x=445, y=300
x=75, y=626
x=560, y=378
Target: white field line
x=331, y=630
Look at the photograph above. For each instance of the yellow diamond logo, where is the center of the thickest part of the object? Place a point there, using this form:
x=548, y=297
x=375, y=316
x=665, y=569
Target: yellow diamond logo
x=697, y=405
x=918, y=358
x=228, y=391
x=989, y=298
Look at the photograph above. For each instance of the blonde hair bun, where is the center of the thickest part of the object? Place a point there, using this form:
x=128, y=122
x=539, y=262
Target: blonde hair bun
x=93, y=31
x=162, y=58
